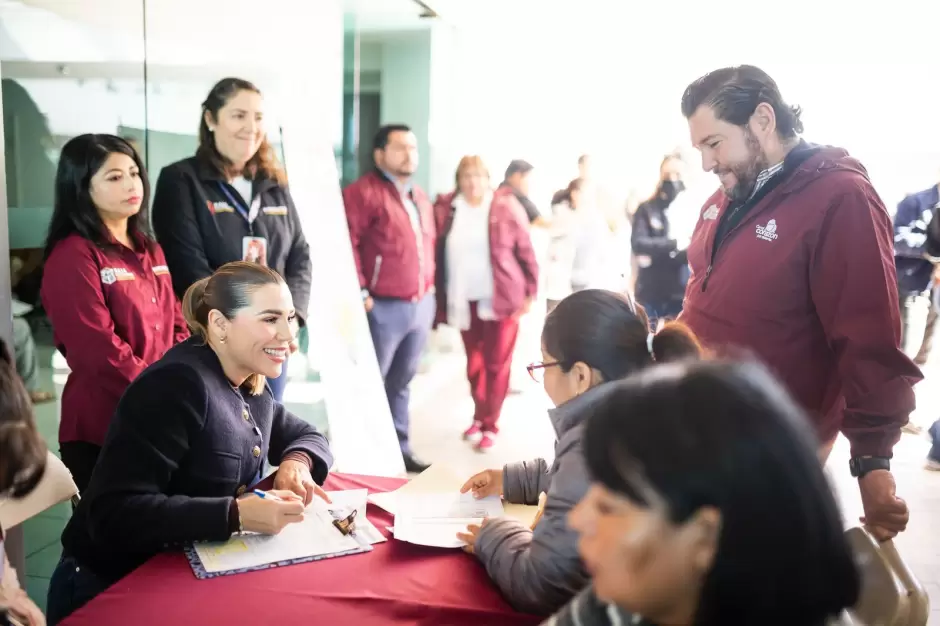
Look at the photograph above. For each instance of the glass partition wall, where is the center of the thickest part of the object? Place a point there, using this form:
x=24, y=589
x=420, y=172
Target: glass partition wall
x=141, y=69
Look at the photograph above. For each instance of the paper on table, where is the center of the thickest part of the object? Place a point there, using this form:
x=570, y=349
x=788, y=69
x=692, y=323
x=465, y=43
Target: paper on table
x=435, y=519
x=356, y=499
x=440, y=478
x=315, y=536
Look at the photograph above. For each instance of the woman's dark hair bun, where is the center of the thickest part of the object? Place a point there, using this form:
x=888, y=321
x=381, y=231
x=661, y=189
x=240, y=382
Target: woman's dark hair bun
x=675, y=342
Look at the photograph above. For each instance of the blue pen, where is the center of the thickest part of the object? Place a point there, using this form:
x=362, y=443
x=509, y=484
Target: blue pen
x=263, y=494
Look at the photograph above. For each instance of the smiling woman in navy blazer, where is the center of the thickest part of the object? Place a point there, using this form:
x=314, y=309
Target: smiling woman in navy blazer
x=190, y=436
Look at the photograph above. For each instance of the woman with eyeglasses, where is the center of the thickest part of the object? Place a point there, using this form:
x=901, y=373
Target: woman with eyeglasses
x=708, y=507
x=591, y=338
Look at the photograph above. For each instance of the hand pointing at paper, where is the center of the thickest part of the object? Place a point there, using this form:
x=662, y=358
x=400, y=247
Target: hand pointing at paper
x=486, y=483
x=295, y=476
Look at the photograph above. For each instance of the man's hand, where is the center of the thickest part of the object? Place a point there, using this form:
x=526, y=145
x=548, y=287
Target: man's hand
x=885, y=514
x=368, y=303
x=295, y=476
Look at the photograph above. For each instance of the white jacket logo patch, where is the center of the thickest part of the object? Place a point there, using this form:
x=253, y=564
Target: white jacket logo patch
x=768, y=232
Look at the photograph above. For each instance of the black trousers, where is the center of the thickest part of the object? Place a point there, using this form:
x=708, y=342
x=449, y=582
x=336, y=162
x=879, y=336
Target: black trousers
x=80, y=457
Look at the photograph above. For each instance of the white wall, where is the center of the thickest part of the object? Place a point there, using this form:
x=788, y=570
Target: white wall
x=607, y=78
x=406, y=86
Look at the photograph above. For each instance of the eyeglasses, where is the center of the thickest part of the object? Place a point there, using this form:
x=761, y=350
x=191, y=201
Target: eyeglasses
x=537, y=370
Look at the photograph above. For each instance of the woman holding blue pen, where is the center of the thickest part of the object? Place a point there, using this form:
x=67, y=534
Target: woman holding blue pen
x=230, y=202
x=190, y=436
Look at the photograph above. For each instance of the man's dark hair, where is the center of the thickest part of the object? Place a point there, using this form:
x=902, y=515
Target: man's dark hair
x=381, y=137
x=733, y=93
x=518, y=166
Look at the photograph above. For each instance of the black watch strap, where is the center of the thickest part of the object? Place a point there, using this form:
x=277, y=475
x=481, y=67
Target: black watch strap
x=861, y=465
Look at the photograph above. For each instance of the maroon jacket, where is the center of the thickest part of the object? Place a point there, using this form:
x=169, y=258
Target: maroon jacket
x=113, y=313
x=515, y=270
x=383, y=240
x=807, y=282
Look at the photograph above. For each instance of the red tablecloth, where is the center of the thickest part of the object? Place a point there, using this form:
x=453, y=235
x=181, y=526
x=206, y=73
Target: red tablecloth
x=396, y=583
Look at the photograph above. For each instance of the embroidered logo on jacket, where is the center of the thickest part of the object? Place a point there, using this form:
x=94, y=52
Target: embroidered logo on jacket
x=111, y=275
x=160, y=270
x=768, y=232
x=710, y=213
x=275, y=210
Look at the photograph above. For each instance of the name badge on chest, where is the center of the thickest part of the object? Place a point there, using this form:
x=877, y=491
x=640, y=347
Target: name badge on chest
x=255, y=250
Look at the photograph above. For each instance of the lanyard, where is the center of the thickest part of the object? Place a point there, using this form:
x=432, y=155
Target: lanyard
x=239, y=206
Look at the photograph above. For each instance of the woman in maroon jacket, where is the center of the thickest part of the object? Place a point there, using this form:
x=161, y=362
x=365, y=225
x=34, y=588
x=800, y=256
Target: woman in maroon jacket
x=487, y=277
x=106, y=289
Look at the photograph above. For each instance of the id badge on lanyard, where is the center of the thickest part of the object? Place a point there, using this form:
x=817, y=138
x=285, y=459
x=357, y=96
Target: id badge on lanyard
x=254, y=249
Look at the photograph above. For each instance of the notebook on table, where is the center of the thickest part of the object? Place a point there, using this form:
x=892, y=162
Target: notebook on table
x=313, y=539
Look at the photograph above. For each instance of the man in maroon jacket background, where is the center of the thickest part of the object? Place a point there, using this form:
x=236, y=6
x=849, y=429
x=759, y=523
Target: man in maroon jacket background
x=793, y=260
x=391, y=227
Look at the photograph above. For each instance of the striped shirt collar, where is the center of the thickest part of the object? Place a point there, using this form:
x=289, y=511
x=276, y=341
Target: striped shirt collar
x=765, y=176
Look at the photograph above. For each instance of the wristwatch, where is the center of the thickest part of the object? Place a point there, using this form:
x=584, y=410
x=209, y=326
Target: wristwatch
x=365, y=294
x=861, y=465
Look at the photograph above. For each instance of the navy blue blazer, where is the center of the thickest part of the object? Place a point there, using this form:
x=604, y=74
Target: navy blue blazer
x=183, y=443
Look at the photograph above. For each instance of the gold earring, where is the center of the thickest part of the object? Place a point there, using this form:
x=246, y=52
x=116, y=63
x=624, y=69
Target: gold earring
x=222, y=339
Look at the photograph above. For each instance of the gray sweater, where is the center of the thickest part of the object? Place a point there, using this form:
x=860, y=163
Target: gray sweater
x=587, y=610
x=538, y=572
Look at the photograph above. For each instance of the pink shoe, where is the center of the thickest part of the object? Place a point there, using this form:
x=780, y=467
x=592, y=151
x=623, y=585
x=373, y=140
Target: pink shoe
x=487, y=441
x=473, y=432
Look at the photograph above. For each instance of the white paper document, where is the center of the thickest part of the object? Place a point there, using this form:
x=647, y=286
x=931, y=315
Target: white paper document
x=356, y=499
x=435, y=519
x=315, y=536
x=441, y=479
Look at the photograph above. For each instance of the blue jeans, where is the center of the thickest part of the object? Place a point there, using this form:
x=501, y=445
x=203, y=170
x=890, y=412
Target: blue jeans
x=399, y=331
x=72, y=586
x=278, y=384
x=666, y=311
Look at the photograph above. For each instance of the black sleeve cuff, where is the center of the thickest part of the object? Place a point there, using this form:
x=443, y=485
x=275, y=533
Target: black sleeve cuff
x=233, y=524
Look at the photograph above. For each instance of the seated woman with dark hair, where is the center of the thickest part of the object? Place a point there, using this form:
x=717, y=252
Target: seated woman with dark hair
x=591, y=338
x=189, y=437
x=22, y=464
x=708, y=507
